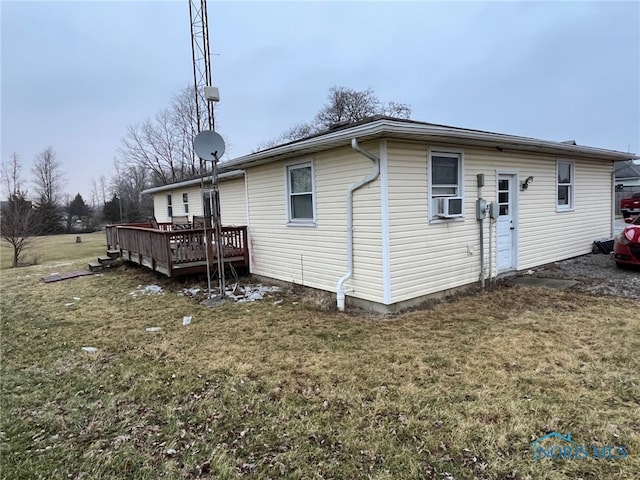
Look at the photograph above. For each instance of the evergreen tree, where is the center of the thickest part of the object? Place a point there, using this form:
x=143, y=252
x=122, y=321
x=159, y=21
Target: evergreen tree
x=78, y=208
x=50, y=218
x=111, y=210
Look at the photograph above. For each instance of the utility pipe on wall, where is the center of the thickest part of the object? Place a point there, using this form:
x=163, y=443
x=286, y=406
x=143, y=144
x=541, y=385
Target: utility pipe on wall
x=482, y=272
x=340, y=290
x=491, y=223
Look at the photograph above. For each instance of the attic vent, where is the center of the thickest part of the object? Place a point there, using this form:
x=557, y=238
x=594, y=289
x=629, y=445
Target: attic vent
x=570, y=142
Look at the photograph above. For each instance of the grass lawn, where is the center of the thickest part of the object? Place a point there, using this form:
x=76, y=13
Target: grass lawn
x=282, y=390
x=57, y=248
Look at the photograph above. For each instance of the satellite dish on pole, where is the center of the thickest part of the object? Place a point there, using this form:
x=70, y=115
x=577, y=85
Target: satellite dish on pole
x=209, y=145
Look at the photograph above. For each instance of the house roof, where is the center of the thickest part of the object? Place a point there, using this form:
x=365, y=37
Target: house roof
x=627, y=170
x=227, y=175
x=386, y=127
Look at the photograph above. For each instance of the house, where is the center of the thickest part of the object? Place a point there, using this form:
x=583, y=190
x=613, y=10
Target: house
x=179, y=240
x=188, y=197
x=384, y=213
x=627, y=181
x=627, y=175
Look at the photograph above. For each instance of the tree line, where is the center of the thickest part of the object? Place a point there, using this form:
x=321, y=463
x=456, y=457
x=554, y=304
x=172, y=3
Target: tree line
x=47, y=211
x=156, y=151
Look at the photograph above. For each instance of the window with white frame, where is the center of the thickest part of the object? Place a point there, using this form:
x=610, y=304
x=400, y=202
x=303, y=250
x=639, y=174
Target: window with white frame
x=169, y=206
x=185, y=202
x=445, y=185
x=300, y=193
x=565, y=170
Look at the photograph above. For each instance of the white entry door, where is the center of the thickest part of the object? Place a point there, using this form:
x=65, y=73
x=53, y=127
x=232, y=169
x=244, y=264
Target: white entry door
x=506, y=229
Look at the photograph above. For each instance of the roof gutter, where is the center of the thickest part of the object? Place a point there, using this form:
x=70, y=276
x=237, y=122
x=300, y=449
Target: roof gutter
x=340, y=290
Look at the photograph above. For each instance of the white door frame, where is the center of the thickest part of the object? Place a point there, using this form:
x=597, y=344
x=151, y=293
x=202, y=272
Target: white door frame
x=514, y=206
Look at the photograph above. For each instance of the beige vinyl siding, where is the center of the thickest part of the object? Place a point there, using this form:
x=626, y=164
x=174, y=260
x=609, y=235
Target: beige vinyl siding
x=547, y=235
x=425, y=258
x=160, y=207
x=315, y=256
x=428, y=258
x=195, y=201
x=233, y=202
x=160, y=203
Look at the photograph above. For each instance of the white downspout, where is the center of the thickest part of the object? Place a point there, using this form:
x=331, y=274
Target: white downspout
x=340, y=290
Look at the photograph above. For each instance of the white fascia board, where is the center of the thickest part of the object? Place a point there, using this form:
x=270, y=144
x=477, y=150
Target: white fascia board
x=454, y=135
x=194, y=181
x=172, y=186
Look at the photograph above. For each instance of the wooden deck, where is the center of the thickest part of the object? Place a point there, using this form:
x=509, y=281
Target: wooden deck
x=175, y=252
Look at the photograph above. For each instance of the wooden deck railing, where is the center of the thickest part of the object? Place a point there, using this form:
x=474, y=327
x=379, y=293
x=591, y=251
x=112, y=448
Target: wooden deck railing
x=177, y=252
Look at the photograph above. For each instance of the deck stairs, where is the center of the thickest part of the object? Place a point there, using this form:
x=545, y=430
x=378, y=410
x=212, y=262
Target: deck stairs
x=104, y=261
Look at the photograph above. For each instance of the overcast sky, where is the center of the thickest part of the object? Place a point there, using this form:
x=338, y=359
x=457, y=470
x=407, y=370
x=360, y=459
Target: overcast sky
x=76, y=74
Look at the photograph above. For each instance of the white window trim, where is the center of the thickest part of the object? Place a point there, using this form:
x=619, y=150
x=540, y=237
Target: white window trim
x=169, y=200
x=430, y=210
x=185, y=205
x=300, y=164
x=572, y=186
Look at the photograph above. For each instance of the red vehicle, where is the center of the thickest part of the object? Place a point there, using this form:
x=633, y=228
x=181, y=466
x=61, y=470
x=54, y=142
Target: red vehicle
x=630, y=207
x=626, y=246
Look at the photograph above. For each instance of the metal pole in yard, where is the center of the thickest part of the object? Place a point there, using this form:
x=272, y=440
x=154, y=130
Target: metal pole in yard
x=205, y=240
x=217, y=232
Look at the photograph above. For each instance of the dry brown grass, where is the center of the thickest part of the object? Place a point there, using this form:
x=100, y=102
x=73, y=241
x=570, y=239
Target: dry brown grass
x=56, y=248
x=290, y=391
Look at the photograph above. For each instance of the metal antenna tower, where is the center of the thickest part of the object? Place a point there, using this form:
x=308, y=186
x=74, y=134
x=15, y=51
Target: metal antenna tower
x=201, y=57
x=201, y=63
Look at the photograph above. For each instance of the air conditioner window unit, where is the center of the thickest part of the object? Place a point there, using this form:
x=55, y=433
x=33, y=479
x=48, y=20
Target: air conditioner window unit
x=449, y=207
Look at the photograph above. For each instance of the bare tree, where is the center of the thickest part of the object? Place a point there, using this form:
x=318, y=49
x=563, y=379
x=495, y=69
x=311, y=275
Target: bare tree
x=49, y=182
x=301, y=130
x=344, y=105
x=49, y=179
x=127, y=184
x=95, y=196
x=18, y=222
x=11, y=175
x=102, y=189
x=98, y=193
x=347, y=105
x=184, y=117
x=397, y=110
x=164, y=145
